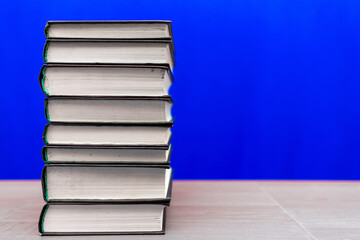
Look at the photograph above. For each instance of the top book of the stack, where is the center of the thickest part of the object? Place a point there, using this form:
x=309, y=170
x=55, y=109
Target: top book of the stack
x=124, y=30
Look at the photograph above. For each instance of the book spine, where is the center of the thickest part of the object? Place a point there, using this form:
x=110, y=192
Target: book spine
x=44, y=134
x=44, y=154
x=46, y=30
x=47, y=116
x=42, y=77
x=44, y=184
x=47, y=43
x=42, y=219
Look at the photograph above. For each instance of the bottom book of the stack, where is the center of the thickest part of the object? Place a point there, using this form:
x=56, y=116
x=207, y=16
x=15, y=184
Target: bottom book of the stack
x=80, y=219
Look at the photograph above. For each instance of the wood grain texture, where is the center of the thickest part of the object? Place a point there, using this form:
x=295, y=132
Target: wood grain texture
x=218, y=210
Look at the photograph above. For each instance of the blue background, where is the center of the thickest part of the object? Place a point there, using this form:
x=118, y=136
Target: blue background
x=264, y=89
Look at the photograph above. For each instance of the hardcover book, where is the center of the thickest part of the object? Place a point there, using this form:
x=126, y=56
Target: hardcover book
x=106, y=183
x=108, y=109
x=106, y=155
x=107, y=134
x=105, y=80
x=153, y=30
x=109, y=52
x=102, y=219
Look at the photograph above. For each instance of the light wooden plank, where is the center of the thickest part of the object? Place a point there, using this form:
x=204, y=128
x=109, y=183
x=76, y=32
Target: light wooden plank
x=329, y=210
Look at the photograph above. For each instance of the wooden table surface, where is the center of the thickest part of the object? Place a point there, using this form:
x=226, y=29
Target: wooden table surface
x=218, y=210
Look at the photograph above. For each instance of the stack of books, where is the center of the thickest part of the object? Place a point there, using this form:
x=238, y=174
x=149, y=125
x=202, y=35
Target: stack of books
x=107, y=150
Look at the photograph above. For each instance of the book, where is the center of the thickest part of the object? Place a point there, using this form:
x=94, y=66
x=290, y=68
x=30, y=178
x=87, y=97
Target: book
x=106, y=183
x=107, y=134
x=109, y=52
x=105, y=80
x=106, y=155
x=108, y=109
x=102, y=219
x=109, y=29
